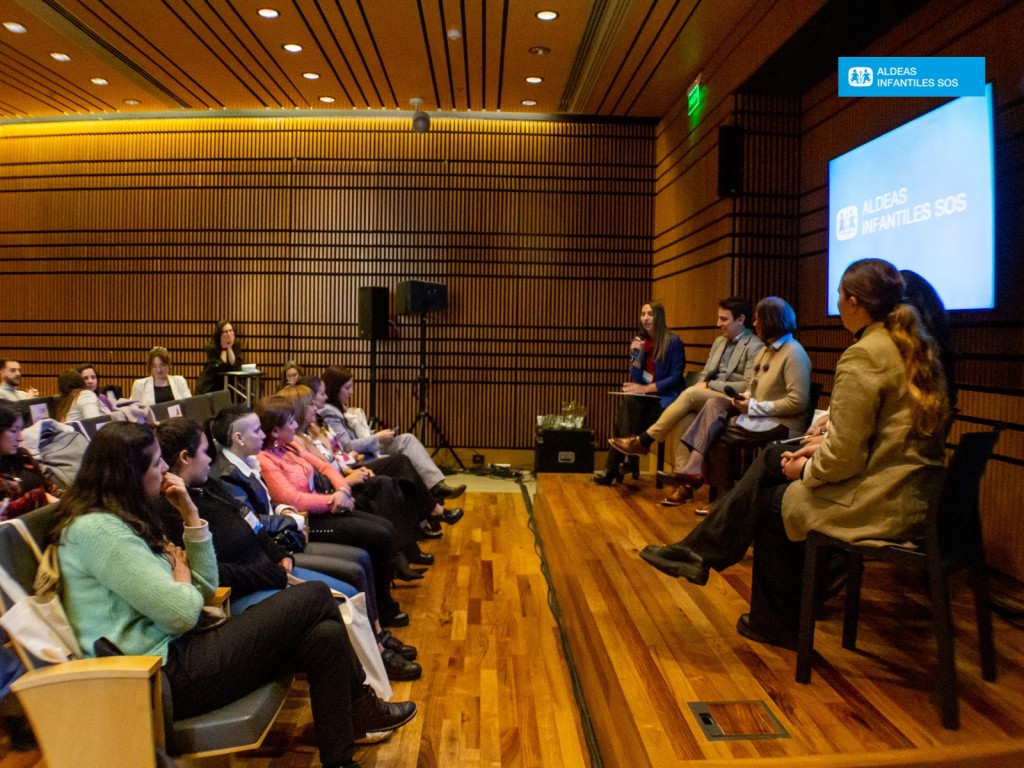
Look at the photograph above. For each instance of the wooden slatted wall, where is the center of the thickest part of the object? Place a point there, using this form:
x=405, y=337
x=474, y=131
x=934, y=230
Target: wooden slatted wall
x=119, y=235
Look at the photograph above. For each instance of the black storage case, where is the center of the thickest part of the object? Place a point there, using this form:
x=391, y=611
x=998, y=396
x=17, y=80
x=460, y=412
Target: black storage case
x=564, y=450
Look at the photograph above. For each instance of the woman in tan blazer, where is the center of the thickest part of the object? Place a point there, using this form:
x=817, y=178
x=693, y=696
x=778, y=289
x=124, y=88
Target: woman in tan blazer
x=871, y=477
x=776, y=404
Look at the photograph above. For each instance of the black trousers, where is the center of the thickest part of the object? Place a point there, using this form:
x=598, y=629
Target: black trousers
x=751, y=513
x=635, y=415
x=365, y=531
x=297, y=630
x=415, y=492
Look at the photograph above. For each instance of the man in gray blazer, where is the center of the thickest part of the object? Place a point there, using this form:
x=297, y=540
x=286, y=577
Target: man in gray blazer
x=730, y=362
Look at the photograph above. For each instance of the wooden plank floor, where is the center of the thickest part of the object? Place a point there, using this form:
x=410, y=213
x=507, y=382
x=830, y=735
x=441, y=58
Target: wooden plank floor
x=646, y=645
x=495, y=689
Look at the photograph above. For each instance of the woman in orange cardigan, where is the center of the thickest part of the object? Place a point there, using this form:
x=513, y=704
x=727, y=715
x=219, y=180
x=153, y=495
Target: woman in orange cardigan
x=290, y=473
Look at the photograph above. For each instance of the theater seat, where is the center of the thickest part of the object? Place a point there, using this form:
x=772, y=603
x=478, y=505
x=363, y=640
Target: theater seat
x=112, y=712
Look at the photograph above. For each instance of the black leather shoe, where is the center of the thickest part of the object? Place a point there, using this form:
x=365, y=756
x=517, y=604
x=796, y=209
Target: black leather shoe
x=690, y=567
x=425, y=533
x=452, y=516
x=608, y=478
x=444, y=491
x=421, y=558
x=745, y=630
x=389, y=641
x=369, y=713
x=400, y=668
x=399, y=619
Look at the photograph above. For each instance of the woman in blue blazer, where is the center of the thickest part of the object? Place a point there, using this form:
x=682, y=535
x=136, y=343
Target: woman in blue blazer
x=657, y=360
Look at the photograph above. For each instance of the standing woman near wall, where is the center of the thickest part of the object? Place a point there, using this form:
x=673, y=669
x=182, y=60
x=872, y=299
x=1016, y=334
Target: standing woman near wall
x=223, y=355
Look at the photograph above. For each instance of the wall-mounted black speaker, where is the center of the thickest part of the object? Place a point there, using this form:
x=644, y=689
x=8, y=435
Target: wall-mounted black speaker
x=414, y=297
x=730, y=161
x=373, y=312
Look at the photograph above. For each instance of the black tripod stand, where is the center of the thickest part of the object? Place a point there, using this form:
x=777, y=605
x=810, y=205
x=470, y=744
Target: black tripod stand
x=423, y=416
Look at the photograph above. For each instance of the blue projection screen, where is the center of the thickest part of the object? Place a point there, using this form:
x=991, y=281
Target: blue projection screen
x=921, y=197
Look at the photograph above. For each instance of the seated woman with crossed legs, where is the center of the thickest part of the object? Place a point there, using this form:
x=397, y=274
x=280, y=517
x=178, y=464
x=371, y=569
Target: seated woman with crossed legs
x=776, y=405
x=123, y=581
x=871, y=477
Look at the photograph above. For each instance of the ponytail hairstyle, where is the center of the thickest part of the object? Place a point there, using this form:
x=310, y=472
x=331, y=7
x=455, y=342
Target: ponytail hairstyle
x=879, y=289
x=659, y=331
x=110, y=480
x=70, y=385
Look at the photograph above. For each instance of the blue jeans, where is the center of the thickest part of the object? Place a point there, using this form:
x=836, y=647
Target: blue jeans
x=240, y=604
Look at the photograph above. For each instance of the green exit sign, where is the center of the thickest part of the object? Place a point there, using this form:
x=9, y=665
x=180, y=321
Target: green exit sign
x=694, y=96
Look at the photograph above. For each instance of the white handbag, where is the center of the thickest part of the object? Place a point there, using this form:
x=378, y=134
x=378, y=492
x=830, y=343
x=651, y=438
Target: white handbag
x=364, y=641
x=37, y=622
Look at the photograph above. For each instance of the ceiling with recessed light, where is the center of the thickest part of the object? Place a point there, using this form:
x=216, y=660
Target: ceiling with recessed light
x=625, y=58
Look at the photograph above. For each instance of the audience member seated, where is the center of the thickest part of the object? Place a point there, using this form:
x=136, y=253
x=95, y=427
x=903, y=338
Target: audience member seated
x=776, y=405
x=108, y=395
x=320, y=439
x=730, y=363
x=869, y=478
x=11, y=374
x=353, y=433
x=388, y=487
x=239, y=438
x=247, y=560
x=124, y=581
x=291, y=373
x=23, y=485
x=657, y=361
x=160, y=386
x=223, y=355
x=77, y=401
x=290, y=473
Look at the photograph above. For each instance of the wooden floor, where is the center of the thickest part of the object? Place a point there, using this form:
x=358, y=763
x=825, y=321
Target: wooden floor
x=496, y=688
x=647, y=645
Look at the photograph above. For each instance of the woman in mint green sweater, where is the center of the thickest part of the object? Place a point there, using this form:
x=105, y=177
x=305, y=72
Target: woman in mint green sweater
x=124, y=581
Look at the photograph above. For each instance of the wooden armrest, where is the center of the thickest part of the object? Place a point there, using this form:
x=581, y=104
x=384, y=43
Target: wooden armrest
x=105, y=668
x=95, y=713
x=220, y=597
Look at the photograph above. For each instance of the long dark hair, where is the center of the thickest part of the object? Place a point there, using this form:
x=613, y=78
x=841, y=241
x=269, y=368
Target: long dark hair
x=334, y=379
x=70, y=384
x=659, y=329
x=8, y=415
x=921, y=295
x=110, y=480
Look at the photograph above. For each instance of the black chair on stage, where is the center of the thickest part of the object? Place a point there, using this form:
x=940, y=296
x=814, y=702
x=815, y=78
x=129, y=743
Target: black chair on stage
x=951, y=542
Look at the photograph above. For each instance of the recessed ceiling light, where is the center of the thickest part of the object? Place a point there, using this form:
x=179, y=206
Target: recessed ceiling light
x=327, y=99
x=292, y=47
x=540, y=50
x=132, y=102
x=529, y=103
x=99, y=81
x=547, y=15
x=454, y=34
x=60, y=57
x=268, y=13
x=311, y=75
x=534, y=79
x=15, y=27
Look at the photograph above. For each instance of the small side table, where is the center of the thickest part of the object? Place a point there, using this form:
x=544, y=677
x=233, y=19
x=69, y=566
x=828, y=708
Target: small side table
x=244, y=386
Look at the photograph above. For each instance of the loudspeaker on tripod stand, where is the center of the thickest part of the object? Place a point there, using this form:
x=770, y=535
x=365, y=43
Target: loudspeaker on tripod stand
x=414, y=297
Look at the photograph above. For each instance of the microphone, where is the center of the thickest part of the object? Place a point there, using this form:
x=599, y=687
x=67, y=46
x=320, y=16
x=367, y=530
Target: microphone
x=636, y=352
x=731, y=392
